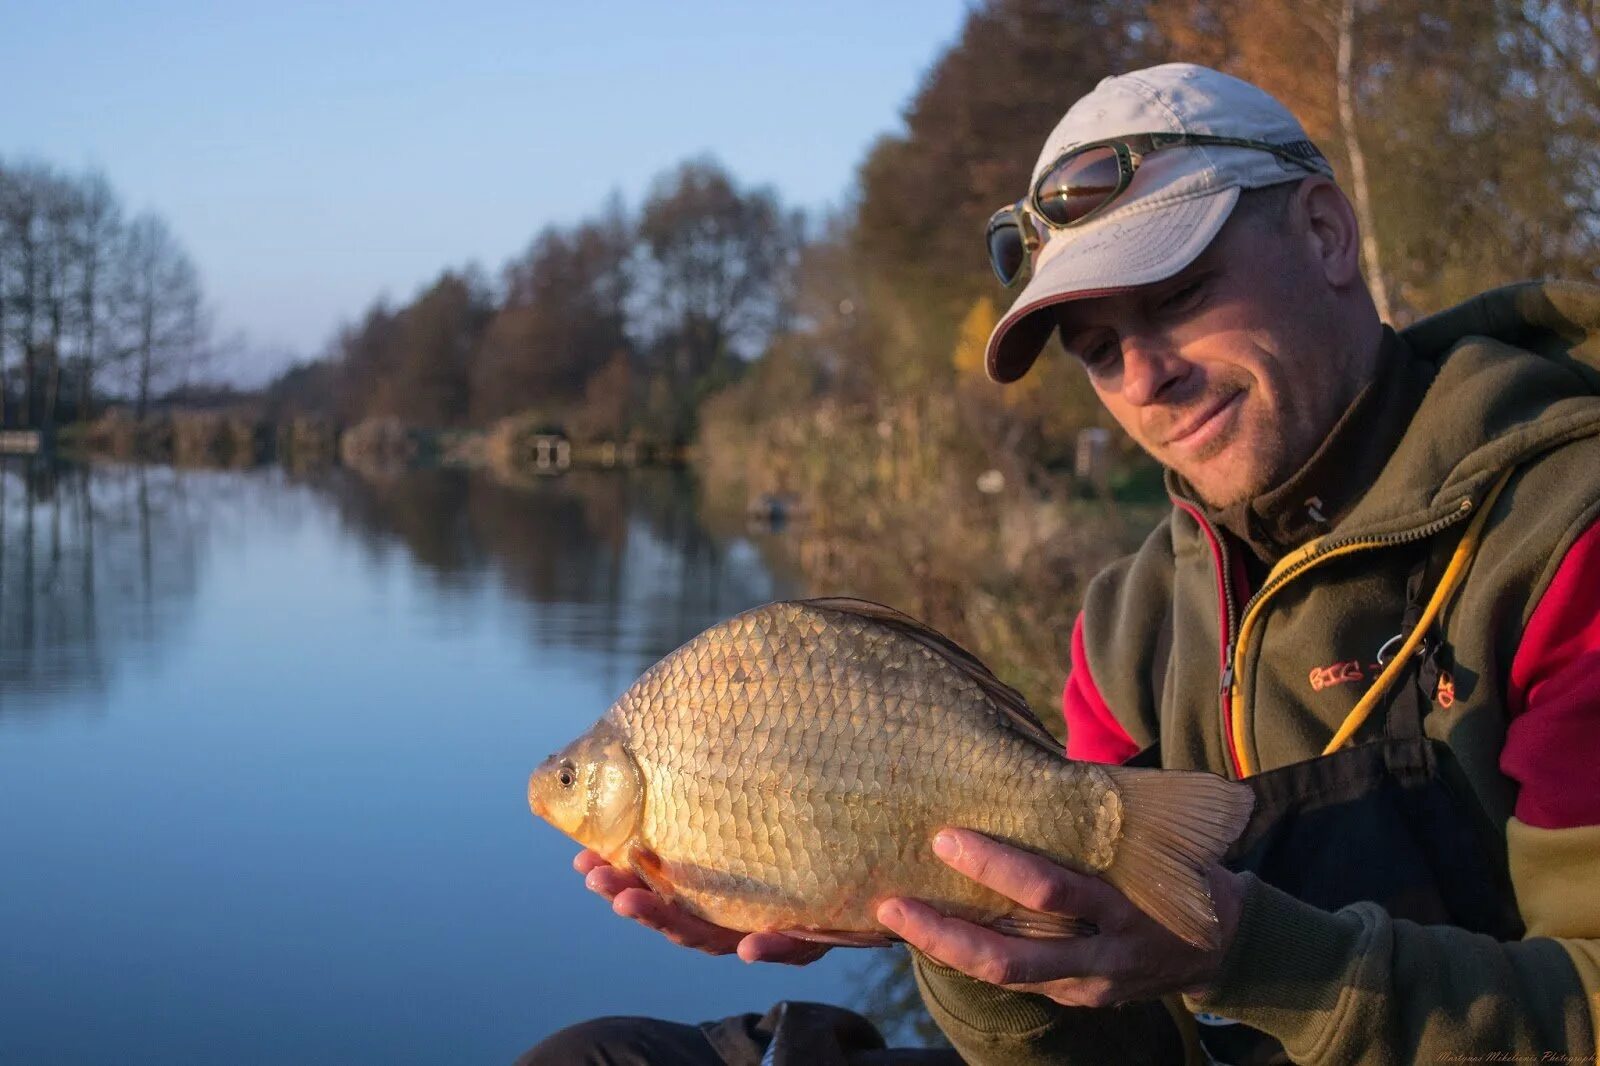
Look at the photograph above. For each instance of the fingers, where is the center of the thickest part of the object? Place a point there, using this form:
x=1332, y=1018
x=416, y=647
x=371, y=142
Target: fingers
x=609, y=881
x=587, y=860
x=1031, y=880
x=631, y=898
x=983, y=953
x=775, y=947
x=647, y=908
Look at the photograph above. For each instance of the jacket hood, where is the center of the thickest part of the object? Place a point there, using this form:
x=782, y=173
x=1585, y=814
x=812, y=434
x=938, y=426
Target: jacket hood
x=1518, y=373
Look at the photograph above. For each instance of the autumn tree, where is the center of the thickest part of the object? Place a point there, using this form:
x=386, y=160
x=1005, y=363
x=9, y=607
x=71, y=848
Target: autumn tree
x=435, y=340
x=972, y=132
x=364, y=358
x=1467, y=132
x=712, y=286
x=562, y=319
x=606, y=412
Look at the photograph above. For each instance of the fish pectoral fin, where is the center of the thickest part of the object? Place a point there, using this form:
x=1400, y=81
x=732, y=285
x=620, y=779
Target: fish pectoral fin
x=651, y=870
x=843, y=938
x=1036, y=925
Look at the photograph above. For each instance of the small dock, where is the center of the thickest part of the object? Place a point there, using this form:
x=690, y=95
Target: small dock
x=21, y=442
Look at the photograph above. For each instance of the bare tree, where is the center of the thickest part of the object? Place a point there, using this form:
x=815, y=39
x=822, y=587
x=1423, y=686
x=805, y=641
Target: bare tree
x=23, y=243
x=95, y=239
x=58, y=203
x=8, y=192
x=59, y=238
x=162, y=319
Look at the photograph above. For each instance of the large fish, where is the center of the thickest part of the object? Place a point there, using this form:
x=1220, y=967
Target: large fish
x=786, y=770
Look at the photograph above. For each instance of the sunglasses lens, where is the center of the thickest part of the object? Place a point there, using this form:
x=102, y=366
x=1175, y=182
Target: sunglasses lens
x=1079, y=184
x=1007, y=252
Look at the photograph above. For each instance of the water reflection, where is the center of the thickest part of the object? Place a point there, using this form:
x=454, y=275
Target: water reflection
x=627, y=547
x=279, y=792
x=97, y=562
x=94, y=566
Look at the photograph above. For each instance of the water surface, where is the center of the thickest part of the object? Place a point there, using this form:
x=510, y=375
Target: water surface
x=263, y=750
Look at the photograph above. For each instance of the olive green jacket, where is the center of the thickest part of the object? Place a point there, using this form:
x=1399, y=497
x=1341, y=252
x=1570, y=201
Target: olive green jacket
x=1517, y=389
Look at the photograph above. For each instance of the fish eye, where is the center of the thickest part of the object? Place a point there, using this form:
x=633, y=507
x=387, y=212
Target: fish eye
x=566, y=777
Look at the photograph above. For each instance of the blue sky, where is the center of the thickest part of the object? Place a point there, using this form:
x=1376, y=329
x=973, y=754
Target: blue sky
x=311, y=157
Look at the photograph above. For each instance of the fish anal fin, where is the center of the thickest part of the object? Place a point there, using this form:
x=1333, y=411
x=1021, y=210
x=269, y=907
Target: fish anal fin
x=651, y=870
x=1035, y=925
x=844, y=938
x=1175, y=825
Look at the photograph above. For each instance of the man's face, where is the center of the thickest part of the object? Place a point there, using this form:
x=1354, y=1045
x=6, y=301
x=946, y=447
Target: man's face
x=1225, y=372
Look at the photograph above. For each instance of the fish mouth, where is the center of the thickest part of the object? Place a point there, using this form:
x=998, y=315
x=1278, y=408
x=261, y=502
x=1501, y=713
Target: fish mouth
x=535, y=804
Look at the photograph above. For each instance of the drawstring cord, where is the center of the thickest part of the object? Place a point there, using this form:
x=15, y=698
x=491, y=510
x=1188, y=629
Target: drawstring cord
x=1448, y=584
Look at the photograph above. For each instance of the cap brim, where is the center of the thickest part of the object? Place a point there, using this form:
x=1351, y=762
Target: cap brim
x=1106, y=256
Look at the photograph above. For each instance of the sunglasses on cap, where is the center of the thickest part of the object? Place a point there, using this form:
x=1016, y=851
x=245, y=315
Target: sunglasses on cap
x=1085, y=181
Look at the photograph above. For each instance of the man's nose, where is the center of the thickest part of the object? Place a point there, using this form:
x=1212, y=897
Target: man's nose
x=1151, y=368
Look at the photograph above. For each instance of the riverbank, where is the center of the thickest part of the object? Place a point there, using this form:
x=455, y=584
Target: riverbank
x=899, y=503
x=511, y=447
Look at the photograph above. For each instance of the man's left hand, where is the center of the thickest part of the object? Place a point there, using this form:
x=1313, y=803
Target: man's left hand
x=1132, y=957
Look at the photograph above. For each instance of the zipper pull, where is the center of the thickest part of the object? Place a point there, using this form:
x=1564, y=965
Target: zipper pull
x=1227, y=672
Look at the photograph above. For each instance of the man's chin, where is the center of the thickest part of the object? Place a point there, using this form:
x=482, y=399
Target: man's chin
x=1220, y=489
x=1235, y=471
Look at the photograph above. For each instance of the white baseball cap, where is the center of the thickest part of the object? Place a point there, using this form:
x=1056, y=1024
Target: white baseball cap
x=1177, y=201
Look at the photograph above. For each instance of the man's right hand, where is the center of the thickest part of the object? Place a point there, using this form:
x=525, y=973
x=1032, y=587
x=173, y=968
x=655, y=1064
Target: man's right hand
x=632, y=898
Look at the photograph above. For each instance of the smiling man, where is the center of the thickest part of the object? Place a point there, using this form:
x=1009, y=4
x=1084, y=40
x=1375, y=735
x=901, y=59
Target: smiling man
x=1376, y=599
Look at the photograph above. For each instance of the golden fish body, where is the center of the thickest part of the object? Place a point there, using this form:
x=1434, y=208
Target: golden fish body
x=787, y=769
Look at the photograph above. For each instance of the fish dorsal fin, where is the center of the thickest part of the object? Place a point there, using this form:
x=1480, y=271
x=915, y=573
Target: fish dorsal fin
x=1006, y=698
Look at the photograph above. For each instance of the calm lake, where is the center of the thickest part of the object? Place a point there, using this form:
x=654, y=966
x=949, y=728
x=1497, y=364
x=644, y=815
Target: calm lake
x=264, y=744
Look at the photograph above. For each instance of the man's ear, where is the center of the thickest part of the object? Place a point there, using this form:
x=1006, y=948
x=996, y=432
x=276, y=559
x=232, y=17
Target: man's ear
x=1331, y=231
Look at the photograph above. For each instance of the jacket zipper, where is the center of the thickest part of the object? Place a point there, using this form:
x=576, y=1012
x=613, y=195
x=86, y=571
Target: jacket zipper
x=1230, y=621
x=1288, y=568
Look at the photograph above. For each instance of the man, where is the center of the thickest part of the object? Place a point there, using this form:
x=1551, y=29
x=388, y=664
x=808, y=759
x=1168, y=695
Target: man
x=1376, y=599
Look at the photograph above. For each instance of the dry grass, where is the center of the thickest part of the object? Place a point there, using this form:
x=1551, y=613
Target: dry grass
x=894, y=513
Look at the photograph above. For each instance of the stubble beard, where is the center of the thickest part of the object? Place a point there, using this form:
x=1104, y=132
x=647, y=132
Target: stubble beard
x=1261, y=464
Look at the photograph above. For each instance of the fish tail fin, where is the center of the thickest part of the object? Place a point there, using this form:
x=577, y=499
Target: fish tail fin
x=1174, y=825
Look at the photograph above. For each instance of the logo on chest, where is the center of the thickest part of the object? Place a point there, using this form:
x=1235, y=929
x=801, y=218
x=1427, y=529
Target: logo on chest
x=1355, y=672
x=1349, y=672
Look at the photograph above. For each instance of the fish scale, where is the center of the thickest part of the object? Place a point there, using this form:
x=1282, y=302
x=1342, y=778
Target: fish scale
x=790, y=766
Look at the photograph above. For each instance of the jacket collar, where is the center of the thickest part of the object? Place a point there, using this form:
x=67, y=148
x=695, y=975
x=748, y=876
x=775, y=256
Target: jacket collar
x=1516, y=372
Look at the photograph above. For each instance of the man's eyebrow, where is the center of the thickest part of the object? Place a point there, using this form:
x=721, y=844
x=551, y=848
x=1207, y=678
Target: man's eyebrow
x=1069, y=331
x=1199, y=270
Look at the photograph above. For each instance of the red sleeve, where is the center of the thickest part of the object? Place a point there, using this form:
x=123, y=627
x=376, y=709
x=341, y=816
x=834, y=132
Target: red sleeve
x=1093, y=734
x=1553, y=743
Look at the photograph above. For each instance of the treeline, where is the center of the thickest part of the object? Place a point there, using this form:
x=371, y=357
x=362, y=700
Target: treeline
x=91, y=302
x=614, y=328
x=1467, y=132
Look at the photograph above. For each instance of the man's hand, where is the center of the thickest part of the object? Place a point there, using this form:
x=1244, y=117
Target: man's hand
x=1132, y=957
x=631, y=898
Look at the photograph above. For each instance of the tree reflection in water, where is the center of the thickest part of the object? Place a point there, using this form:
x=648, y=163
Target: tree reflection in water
x=628, y=542
x=100, y=567
x=95, y=563
x=632, y=541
